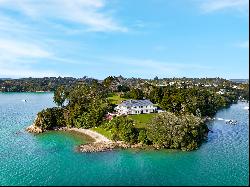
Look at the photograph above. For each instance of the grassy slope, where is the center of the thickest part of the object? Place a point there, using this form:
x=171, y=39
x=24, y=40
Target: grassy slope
x=116, y=99
x=141, y=120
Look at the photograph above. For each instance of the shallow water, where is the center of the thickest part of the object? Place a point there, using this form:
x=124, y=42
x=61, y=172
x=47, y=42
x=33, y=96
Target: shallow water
x=51, y=159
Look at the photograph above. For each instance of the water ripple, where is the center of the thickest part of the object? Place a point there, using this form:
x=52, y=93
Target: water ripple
x=50, y=159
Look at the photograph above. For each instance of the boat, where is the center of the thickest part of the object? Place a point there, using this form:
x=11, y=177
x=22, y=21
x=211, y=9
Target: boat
x=24, y=100
x=231, y=122
x=246, y=107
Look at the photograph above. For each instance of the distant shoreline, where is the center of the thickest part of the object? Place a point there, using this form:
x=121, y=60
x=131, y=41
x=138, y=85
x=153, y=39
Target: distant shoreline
x=39, y=92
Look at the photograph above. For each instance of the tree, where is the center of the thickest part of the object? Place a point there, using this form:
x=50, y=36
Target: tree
x=135, y=94
x=108, y=81
x=122, y=88
x=156, y=78
x=123, y=129
x=184, y=132
x=142, y=137
x=59, y=96
x=49, y=118
x=87, y=106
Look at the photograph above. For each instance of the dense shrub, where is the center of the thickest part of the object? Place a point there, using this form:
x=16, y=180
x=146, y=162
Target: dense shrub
x=184, y=132
x=122, y=128
x=49, y=118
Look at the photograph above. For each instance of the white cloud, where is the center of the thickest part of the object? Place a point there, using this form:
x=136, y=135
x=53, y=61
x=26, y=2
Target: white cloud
x=17, y=58
x=148, y=67
x=154, y=64
x=88, y=13
x=216, y=5
x=26, y=72
x=15, y=49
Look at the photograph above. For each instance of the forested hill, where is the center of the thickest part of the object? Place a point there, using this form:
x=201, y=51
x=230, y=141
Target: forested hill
x=45, y=84
x=240, y=80
x=125, y=85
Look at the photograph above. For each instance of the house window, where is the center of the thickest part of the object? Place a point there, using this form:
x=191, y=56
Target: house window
x=146, y=110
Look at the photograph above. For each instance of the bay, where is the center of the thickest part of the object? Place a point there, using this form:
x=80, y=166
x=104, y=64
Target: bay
x=51, y=159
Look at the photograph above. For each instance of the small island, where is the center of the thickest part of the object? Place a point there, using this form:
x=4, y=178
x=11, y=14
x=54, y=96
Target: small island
x=142, y=115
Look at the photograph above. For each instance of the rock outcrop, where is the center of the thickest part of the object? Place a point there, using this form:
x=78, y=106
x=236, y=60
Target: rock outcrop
x=106, y=146
x=34, y=129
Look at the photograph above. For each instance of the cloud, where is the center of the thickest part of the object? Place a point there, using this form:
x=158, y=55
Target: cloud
x=17, y=58
x=88, y=13
x=15, y=49
x=26, y=72
x=147, y=67
x=154, y=64
x=216, y=5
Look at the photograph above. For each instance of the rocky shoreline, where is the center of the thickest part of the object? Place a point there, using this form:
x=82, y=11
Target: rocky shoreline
x=97, y=145
x=37, y=130
x=109, y=146
x=33, y=129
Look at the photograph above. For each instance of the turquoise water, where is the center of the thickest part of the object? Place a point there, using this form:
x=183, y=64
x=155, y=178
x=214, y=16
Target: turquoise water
x=51, y=159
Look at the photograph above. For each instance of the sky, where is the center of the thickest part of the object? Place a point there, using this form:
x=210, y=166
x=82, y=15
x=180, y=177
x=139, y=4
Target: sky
x=132, y=38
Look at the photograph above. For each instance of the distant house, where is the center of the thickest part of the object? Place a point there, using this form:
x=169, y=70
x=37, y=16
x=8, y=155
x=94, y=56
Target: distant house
x=221, y=92
x=135, y=107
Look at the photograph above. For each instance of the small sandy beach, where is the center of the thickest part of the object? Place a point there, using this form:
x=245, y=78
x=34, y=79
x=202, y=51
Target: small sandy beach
x=95, y=135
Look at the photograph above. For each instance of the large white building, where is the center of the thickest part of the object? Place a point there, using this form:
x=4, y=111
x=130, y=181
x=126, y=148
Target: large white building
x=135, y=107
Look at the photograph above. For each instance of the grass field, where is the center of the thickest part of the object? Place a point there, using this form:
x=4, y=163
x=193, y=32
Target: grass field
x=116, y=99
x=102, y=131
x=141, y=120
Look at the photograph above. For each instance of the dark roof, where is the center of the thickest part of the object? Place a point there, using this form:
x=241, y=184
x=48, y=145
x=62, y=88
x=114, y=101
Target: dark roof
x=130, y=103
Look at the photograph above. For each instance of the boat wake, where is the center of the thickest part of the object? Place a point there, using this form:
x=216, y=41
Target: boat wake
x=220, y=119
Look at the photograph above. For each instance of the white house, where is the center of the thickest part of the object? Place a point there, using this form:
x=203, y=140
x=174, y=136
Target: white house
x=135, y=107
x=221, y=92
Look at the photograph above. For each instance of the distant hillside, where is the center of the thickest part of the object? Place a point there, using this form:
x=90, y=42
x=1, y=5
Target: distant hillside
x=239, y=80
x=4, y=79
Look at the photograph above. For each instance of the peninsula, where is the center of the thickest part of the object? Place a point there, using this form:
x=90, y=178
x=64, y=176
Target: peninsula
x=145, y=113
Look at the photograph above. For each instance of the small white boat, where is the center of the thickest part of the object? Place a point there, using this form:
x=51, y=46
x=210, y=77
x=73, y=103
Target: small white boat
x=24, y=100
x=246, y=107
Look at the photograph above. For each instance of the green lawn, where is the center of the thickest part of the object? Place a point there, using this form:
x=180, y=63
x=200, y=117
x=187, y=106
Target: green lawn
x=102, y=131
x=116, y=99
x=141, y=120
